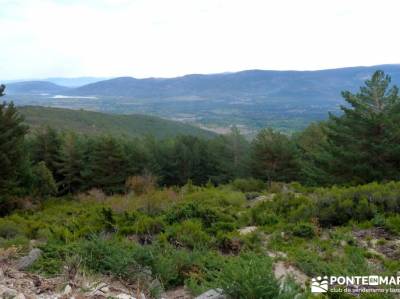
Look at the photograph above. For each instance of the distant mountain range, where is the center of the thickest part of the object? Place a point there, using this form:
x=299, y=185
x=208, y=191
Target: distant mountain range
x=287, y=100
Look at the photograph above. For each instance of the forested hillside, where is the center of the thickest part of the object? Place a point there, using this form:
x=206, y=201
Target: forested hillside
x=95, y=123
x=184, y=215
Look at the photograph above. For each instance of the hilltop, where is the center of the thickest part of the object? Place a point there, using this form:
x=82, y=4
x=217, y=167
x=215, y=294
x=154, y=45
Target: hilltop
x=96, y=123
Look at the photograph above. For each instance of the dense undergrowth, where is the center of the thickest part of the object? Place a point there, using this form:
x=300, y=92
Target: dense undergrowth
x=165, y=238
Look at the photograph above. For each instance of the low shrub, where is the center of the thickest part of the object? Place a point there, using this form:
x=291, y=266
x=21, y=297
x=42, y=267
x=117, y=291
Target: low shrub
x=304, y=230
x=189, y=234
x=393, y=224
x=250, y=276
x=248, y=185
x=8, y=229
x=140, y=184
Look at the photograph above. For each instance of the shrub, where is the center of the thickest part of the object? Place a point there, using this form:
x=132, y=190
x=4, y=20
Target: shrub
x=250, y=276
x=156, y=202
x=189, y=210
x=337, y=206
x=110, y=257
x=175, y=267
x=263, y=217
x=140, y=184
x=248, y=185
x=229, y=242
x=9, y=230
x=189, y=234
x=379, y=220
x=393, y=224
x=304, y=230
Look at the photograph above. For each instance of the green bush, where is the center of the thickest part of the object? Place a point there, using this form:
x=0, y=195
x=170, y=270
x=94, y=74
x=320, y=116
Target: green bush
x=262, y=217
x=190, y=210
x=9, y=230
x=175, y=267
x=189, y=234
x=111, y=257
x=337, y=206
x=248, y=185
x=304, y=230
x=250, y=276
x=393, y=224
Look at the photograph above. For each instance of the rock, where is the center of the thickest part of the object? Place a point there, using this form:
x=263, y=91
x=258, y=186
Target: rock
x=247, y=230
x=6, y=292
x=212, y=294
x=67, y=290
x=28, y=260
x=20, y=296
x=282, y=270
x=124, y=296
x=277, y=254
x=261, y=198
x=98, y=294
x=179, y=292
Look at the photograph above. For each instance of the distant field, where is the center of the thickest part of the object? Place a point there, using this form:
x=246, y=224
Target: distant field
x=100, y=123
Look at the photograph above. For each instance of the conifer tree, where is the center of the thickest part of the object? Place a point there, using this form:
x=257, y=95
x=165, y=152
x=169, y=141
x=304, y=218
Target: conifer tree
x=12, y=154
x=43, y=182
x=107, y=166
x=71, y=164
x=364, y=143
x=46, y=148
x=232, y=151
x=2, y=88
x=274, y=157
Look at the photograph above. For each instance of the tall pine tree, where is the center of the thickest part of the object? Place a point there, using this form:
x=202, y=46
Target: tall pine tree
x=363, y=144
x=71, y=164
x=274, y=157
x=12, y=154
x=108, y=166
x=46, y=147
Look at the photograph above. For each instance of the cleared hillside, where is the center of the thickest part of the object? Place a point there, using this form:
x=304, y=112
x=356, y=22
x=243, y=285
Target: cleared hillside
x=100, y=123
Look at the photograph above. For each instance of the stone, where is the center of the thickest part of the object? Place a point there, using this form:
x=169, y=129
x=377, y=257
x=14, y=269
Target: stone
x=20, y=296
x=124, y=296
x=28, y=260
x=67, y=290
x=282, y=270
x=6, y=292
x=212, y=294
x=247, y=230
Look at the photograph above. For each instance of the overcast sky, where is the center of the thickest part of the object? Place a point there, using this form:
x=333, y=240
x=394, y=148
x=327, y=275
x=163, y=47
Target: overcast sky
x=165, y=38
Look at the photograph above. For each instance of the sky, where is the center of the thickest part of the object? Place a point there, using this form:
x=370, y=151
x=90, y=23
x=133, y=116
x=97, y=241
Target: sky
x=167, y=38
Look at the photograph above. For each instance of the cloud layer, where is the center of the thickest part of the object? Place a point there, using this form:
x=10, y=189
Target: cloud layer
x=141, y=38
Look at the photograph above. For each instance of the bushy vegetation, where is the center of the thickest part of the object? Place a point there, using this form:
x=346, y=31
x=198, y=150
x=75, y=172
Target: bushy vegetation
x=194, y=239
x=209, y=213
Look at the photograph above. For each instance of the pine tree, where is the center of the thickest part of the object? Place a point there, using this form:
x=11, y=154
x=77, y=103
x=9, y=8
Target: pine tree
x=44, y=184
x=274, y=157
x=46, y=148
x=71, y=164
x=12, y=154
x=364, y=143
x=108, y=166
x=232, y=151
